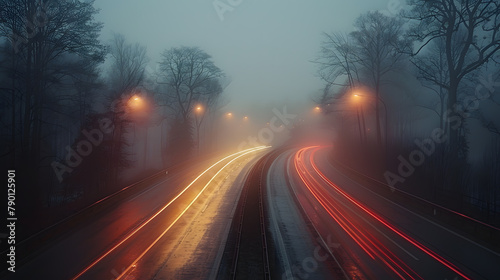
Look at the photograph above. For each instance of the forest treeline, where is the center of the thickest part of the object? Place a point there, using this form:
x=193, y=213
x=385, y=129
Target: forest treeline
x=414, y=99
x=72, y=105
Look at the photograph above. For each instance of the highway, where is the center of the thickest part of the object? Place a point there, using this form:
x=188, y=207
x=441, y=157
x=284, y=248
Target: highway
x=261, y=213
x=379, y=238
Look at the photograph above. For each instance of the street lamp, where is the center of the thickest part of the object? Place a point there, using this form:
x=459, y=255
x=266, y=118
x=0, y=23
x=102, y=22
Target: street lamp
x=361, y=119
x=375, y=99
x=139, y=110
x=135, y=102
x=198, y=112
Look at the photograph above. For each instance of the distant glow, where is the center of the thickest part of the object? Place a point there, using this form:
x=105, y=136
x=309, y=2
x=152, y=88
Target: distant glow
x=135, y=102
x=356, y=99
x=198, y=109
x=245, y=118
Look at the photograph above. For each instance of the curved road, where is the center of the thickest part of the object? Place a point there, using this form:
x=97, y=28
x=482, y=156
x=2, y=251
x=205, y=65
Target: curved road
x=379, y=239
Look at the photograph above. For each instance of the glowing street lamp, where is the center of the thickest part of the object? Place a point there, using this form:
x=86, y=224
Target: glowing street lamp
x=198, y=115
x=198, y=109
x=357, y=99
x=135, y=102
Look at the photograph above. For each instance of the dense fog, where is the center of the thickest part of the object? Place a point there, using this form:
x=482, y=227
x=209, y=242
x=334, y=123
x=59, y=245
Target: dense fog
x=98, y=94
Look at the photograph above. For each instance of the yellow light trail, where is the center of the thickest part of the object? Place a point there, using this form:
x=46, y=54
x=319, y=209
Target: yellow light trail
x=185, y=210
x=244, y=152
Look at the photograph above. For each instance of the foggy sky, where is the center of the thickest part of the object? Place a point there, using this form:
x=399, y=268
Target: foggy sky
x=265, y=47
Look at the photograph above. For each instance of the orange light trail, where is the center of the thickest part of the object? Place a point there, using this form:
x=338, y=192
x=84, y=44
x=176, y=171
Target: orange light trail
x=185, y=210
x=241, y=153
x=301, y=168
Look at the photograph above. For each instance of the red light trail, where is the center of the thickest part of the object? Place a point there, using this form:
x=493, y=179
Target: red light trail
x=315, y=180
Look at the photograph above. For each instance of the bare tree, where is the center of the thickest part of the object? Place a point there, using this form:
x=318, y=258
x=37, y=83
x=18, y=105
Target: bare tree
x=190, y=77
x=128, y=65
x=365, y=56
x=380, y=47
x=208, y=103
x=189, y=72
x=337, y=59
x=126, y=77
x=433, y=72
x=475, y=25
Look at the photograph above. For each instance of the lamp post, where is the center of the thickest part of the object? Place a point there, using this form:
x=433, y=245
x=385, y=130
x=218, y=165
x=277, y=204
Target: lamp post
x=139, y=111
x=358, y=105
x=199, y=113
x=361, y=117
x=357, y=97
